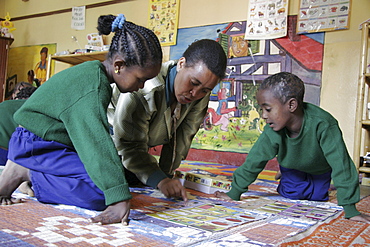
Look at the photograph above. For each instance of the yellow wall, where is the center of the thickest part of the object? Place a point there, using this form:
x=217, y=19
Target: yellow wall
x=341, y=55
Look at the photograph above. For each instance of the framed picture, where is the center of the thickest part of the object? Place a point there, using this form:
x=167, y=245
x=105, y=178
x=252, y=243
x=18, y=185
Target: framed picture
x=22, y=59
x=10, y=84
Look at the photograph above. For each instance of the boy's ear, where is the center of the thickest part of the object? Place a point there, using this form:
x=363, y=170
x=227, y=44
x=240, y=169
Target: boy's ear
x=292, y=104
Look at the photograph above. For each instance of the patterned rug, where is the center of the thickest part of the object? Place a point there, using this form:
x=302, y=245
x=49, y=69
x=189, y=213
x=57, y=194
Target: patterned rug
x=336, y=231
x=261, y=218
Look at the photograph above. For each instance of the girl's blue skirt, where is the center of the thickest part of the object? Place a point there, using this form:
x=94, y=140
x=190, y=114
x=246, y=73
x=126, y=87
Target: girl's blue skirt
x=57, y=174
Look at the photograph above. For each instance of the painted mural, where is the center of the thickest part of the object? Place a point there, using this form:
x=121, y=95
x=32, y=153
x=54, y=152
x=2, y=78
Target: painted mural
x=233, y=122
x=33, y=59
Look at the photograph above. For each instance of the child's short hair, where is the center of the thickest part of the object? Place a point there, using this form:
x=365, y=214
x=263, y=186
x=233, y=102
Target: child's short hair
x=284, y=86
x=25, y=92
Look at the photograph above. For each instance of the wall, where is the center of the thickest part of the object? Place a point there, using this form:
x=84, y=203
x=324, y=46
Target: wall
x=341, y=55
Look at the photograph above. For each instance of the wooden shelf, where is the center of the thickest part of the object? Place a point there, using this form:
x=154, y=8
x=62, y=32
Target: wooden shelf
x=364, y=169
x=75, y=59
x=4, y=51
x=365, y=123
x=362, y=126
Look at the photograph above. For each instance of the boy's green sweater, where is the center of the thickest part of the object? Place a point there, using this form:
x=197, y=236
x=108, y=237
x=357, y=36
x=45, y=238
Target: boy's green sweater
x=71, y=108
x=7, y=123
x=318, y=149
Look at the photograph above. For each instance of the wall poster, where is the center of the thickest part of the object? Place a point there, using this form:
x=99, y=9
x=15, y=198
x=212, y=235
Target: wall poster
x=323, y=15
x=163, y=20
x=267, y=19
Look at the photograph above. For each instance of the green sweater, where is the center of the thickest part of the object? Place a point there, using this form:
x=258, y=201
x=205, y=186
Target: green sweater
x=71, y=108
x=317, y=149
x=7, y=123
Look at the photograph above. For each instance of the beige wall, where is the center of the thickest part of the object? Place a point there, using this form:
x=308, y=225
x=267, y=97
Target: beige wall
x=341, y=55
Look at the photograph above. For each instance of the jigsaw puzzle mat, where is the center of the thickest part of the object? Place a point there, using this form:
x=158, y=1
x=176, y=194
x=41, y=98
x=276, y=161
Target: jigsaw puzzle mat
x=261, y=218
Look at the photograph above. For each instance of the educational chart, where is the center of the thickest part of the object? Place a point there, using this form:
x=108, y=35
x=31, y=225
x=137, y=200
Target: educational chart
x=163, y=20
x=267, y=19
x=323, y=15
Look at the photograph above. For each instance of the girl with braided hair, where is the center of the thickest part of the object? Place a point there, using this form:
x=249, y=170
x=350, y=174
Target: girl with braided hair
x=63, y=146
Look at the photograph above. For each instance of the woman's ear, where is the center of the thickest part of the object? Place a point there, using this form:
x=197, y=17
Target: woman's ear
x=181, y=63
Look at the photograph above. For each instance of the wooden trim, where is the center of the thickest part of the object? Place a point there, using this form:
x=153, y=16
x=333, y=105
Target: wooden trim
x=89, y=6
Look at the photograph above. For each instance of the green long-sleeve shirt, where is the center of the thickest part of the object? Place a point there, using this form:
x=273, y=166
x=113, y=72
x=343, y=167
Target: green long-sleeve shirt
x=317, y=149
x=7, y=123
x=71, y=108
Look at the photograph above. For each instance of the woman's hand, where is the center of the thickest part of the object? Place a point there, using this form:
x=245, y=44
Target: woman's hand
x=222, y=195
x=172, y=188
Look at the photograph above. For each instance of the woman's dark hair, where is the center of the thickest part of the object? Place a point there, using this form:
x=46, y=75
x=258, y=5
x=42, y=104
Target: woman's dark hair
x=210, y=53
x=44, y=50
x=137, y=45
x=284, y=86
x=25, y=92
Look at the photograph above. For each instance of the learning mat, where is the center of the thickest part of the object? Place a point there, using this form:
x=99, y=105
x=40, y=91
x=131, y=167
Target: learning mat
x=261, y=218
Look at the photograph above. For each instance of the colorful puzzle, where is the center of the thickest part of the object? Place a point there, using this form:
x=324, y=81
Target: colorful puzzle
x=209, y=177
x=205, y=178
x=205, y=215
x=214, y=216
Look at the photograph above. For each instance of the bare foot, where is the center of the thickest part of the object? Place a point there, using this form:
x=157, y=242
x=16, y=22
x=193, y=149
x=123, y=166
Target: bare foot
x=11, y=177
x=278, y=175
x=362, y=218
x=26, y=188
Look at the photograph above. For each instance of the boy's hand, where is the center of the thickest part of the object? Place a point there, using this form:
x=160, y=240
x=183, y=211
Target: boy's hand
x=115, y=213
x=172, y=188
x=362, y=218
x=222, y=195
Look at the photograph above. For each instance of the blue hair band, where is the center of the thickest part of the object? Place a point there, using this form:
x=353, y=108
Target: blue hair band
x=118, y=22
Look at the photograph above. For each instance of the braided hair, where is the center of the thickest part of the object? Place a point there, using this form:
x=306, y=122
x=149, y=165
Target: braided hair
x=136, y=44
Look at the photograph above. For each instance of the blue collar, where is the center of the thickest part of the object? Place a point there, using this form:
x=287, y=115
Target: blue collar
x=170, y=82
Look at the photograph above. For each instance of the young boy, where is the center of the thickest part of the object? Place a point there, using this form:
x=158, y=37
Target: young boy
x=308, y=144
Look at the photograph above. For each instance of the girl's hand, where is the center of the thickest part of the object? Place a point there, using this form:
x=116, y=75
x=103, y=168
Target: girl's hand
x=115, y=213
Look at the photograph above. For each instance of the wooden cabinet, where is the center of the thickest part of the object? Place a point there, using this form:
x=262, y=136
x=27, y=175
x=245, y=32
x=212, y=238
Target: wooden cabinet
x=4, y=51
x=362, y=126
x=75, y=59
